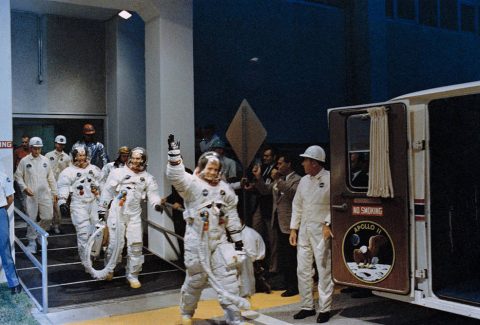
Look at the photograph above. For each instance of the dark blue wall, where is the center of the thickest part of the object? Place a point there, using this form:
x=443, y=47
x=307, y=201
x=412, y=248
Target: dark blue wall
x=313, y=57
x=422, y=57
x=300, y=72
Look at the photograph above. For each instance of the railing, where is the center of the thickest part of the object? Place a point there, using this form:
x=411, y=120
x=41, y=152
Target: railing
x=42, y=267
x=166, y=232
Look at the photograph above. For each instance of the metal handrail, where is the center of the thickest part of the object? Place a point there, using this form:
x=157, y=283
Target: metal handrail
x=42, y=267
x=166, y=231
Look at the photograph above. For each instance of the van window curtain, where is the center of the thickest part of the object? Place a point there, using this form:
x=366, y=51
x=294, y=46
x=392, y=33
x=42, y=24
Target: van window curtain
x=380, y=177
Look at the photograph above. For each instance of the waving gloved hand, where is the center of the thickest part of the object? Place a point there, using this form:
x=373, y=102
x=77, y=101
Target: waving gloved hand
x=174, y=157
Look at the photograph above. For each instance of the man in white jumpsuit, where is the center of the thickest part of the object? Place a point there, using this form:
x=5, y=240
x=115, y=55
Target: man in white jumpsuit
x=123, y=153
x=35, y=178
x=59, y=160
x=205, y=241
x=311, y=218
x=82, y=181
x=125, y=188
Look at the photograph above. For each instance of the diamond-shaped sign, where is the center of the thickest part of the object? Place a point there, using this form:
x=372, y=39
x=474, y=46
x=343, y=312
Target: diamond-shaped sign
x=246, y=134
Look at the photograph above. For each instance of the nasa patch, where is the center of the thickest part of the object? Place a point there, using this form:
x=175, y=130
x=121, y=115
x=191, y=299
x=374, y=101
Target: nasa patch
x=222, y=192
x=51, y=158
x=29, y=166
x=205, y=192
x=79, y=175
x=90, y=172
x=142, y=179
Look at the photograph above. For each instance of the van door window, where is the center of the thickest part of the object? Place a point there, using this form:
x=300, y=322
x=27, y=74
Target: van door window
x=358, y=151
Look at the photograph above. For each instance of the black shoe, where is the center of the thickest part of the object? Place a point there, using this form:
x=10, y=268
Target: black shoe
x=304, y=313
x=348, y=290
x=323, y=317
x=261, y=285
x=16, y=289
x=362, y=293
x=290, y=293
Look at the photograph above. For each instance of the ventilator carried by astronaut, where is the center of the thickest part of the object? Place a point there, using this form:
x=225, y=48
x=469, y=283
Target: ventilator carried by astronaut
x=125, y=188
x=210, y=212
x=82, y=182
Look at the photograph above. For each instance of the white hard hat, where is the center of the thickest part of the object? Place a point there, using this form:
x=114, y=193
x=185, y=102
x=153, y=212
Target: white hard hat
x=36, y=142
x=314, y=152
x=60, y=139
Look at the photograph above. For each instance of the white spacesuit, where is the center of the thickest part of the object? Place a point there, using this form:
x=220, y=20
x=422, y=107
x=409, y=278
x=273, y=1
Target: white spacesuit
x=82, y=181
x=210, y=211
x=127, y=187
x=121, y=160
x=35, y=178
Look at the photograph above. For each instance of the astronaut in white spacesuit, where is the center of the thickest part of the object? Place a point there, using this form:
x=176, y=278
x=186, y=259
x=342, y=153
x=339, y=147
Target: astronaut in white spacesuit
x=122, y=158
x=210, y=211
x=82, y=181
x=34, y=176
x=125, y=188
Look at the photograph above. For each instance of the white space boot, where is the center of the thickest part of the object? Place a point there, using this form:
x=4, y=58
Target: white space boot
x=133, y=280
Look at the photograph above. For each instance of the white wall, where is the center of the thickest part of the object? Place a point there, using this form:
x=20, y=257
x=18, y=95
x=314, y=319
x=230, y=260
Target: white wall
x=6, y=155
x=169, y=95
x=73, y=65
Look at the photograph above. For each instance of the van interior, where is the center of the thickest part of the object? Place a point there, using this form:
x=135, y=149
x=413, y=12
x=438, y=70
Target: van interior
x=455, y=197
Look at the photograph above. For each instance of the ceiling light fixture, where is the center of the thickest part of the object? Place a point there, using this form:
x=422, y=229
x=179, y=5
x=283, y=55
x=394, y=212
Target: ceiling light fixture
x=125, y=14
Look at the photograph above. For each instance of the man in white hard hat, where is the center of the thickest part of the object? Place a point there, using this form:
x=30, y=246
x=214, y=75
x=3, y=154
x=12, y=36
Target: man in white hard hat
x=310, y=231
x=35, y=178
x=59, y=160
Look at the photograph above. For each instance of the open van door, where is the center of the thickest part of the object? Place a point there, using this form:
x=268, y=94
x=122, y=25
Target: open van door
x=371, y=234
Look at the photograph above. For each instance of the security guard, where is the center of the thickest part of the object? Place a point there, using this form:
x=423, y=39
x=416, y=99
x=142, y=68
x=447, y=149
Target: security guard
x=59, y=161
x=6, y=199
x=35, y=178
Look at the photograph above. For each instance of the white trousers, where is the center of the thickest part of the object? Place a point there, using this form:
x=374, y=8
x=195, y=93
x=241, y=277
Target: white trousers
x=196, y=279
x=132, y=230
x=42, y=207
x=84, y=218
x=308, y=251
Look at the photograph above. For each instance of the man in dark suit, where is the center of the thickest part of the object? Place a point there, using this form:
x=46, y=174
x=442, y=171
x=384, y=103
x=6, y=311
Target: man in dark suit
x=261, y=218
x=283, y=188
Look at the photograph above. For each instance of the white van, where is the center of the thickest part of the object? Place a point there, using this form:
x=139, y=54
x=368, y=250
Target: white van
x=415, y=240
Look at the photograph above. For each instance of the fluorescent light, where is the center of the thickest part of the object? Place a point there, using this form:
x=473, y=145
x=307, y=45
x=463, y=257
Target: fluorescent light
x=125, y=14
